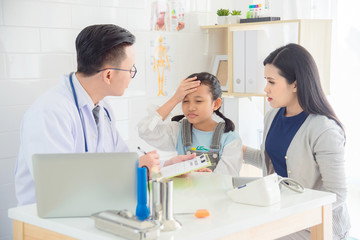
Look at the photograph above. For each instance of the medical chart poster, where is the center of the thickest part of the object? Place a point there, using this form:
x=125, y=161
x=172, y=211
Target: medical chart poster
x=160, y=68
x=167, y=15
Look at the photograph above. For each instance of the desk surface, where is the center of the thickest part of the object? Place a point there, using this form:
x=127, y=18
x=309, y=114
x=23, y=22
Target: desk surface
x=226, y=217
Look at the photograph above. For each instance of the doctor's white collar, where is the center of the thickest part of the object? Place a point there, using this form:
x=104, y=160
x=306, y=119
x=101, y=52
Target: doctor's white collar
x=83, y=97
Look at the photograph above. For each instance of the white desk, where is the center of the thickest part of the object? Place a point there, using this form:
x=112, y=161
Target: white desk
x=228, y=220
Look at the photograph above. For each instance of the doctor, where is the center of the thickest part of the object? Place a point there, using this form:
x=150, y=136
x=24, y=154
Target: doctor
x=74, y=117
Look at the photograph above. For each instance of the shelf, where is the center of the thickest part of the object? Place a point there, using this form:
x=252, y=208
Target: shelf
x=248, y=24
x=217, y=26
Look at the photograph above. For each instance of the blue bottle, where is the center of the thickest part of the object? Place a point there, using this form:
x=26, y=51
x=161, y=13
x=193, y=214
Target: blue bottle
x=142, y=209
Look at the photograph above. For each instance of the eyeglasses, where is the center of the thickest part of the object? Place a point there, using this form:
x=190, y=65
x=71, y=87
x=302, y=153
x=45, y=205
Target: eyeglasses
x=132, y=71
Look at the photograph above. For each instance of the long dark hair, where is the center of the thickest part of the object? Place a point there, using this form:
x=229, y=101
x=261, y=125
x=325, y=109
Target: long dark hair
x=215, y=89
x=296, y=64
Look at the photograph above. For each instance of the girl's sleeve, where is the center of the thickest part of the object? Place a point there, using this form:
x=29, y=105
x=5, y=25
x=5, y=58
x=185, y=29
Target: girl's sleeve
x=231, y=159
x=158, y=133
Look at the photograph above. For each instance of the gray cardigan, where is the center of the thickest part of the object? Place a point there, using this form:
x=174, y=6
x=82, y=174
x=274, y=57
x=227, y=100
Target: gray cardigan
x=315, y=158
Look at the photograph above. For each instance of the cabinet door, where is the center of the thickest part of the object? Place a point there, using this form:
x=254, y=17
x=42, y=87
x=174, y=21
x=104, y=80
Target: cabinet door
x=252, y=73
x=269, y=38
x=239, y=62
x=252, y=46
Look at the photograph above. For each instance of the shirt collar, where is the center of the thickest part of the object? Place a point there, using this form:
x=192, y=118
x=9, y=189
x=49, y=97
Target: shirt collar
x=83, y=97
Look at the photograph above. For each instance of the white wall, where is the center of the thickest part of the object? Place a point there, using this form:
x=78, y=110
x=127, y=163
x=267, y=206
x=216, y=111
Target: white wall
x=344, y=99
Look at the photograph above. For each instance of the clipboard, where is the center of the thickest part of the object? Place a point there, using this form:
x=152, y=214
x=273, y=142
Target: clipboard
x=180, y=168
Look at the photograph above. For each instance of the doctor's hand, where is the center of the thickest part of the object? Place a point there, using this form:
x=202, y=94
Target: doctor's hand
x=151, y=161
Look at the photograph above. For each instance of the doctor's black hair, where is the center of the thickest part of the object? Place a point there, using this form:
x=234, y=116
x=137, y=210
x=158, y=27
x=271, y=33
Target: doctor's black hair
x=215, y=89
x=295, y=63
x=98, y=45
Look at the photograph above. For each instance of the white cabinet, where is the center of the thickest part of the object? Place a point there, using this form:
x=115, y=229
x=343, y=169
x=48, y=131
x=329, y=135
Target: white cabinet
x=239, y=62
x=248, y=44
x=245, y=62
x=251, y=47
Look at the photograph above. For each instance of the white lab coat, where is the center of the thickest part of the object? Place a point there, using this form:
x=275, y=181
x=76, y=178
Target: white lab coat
x=52, y=125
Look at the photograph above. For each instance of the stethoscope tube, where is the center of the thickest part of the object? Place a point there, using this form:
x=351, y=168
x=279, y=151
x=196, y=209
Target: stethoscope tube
x=77, y=106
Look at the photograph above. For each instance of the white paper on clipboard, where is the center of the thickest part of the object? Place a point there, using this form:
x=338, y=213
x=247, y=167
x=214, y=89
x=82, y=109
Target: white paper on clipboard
x=180, y=168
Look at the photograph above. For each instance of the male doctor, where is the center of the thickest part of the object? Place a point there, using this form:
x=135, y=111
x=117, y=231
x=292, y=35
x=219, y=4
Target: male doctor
x=73, y=117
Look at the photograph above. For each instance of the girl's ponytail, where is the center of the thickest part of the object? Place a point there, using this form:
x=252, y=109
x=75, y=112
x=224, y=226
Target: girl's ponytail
x=177, y=118
x=229, y=125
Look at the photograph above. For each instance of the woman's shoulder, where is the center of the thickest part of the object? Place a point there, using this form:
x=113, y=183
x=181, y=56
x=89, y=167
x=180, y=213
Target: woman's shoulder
x=321, y=122
x=317, y=124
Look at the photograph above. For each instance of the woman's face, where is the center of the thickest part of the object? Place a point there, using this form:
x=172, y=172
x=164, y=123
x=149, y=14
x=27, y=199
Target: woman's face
x=278, y=91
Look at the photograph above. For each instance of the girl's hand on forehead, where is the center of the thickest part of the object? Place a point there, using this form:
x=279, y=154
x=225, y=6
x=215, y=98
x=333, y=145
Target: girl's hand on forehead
x=188, y=85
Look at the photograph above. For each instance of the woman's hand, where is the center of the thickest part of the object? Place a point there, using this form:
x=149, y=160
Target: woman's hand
x=188, y=85
x=151, y=161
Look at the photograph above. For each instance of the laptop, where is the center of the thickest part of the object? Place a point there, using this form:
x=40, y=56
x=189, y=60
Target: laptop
x=80, y=184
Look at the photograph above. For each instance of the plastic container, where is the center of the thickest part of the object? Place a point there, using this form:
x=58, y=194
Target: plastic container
x=256, y=11
x=260, y=13
x=142, y=209
x=250, y=12
x=267, y=9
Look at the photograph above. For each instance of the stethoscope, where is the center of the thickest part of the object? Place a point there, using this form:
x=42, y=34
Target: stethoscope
x=77, y=106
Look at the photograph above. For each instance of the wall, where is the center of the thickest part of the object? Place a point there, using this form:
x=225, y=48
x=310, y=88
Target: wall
x=345, y=90
x=37, y=47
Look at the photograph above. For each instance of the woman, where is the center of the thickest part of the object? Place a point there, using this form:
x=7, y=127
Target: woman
x=303, y=138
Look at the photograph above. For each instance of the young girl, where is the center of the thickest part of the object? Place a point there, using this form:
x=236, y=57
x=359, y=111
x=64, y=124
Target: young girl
x=196, y=131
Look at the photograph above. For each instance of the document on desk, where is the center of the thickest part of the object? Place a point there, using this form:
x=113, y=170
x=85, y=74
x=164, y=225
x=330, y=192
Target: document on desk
x=180, y=168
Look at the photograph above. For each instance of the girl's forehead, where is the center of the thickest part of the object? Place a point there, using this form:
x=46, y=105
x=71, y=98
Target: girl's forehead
x=202, y=90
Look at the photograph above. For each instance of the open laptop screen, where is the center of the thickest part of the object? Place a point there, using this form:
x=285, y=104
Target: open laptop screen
x=80, y=184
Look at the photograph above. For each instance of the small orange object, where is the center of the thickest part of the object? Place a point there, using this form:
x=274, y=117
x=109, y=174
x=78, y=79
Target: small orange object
x=202, y=213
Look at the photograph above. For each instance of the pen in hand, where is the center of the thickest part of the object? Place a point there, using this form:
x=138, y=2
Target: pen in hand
x=142, y=150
